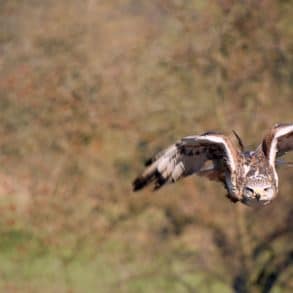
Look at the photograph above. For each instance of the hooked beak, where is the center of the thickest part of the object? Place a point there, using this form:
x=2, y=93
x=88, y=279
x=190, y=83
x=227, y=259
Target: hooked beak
x=258, y=193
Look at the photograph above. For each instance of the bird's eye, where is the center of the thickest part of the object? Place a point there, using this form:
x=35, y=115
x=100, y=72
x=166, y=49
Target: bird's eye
x=267, y=188
x=249, y=189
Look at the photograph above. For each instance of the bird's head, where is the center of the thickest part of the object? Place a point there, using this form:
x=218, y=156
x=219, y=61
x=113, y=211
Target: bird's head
x=258, y=191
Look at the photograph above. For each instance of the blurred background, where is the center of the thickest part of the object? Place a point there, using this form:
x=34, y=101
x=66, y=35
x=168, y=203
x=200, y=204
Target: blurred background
x=88, y=91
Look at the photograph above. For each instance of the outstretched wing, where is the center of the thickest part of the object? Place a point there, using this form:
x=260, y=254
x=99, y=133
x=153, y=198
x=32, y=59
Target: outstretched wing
x=277, y=142
x=188, y=156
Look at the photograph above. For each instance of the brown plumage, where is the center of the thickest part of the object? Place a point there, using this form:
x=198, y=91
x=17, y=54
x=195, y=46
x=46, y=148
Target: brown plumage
x=248, y=176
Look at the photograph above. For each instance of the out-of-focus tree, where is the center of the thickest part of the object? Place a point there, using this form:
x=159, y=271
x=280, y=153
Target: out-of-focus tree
x=89, y=89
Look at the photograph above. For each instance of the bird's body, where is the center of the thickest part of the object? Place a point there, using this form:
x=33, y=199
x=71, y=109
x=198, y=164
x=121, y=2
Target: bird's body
x=249, y=176
x=256, y=183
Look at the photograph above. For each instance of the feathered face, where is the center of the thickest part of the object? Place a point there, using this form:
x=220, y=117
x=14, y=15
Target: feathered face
x=258, y=190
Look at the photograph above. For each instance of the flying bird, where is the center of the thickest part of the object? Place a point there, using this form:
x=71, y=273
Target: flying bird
x=250, y=177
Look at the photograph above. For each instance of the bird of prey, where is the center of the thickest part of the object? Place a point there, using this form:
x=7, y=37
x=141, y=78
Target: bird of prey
x=250, y=177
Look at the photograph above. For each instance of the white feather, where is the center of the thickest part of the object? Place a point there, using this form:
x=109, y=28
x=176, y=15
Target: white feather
x=178, y=171
x=163, y=164
x=273, y=148
x=218, y=140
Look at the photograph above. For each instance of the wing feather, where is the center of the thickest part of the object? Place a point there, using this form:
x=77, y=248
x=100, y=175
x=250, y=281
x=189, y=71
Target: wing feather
x=189, y=156
x=278, y=141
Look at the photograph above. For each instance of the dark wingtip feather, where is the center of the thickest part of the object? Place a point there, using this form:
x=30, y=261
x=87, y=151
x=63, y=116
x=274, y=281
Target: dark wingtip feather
x=160, y=181
x=156, y=177
x=138, y=183
x=148, y=162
